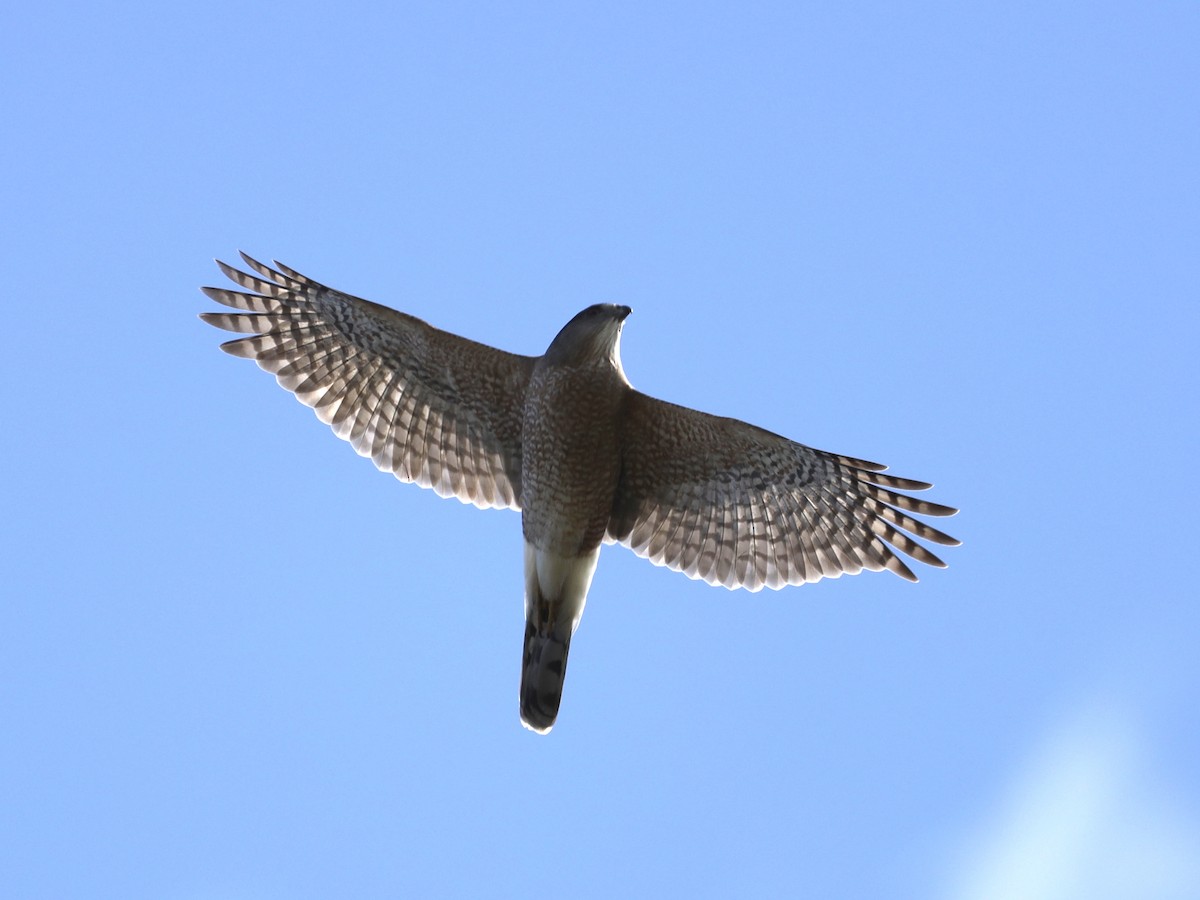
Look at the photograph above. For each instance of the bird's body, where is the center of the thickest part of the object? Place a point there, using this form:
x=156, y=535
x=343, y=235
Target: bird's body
x=586, y=458
x=570, y=468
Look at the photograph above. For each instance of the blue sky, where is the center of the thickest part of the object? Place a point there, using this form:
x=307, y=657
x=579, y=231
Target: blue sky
x=236, y=661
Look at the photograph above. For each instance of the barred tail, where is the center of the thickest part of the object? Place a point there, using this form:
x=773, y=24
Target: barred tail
x=556, y=589
x=543, y=670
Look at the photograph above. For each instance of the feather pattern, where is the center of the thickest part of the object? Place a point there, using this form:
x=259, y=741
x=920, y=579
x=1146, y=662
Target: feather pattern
x=737, y=506
x=426, y=405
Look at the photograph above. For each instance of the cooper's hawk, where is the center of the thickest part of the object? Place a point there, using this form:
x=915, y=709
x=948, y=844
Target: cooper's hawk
x=586, y=458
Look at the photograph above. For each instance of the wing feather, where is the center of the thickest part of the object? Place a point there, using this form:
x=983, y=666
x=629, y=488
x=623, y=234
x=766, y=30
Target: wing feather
x=738, y=506
x=426, y=405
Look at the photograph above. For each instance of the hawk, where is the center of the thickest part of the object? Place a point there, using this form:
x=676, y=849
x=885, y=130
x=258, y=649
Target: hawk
x=587, y=459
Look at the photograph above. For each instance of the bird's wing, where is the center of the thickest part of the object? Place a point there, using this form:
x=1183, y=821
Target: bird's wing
x=426, y=405
x=738, y=506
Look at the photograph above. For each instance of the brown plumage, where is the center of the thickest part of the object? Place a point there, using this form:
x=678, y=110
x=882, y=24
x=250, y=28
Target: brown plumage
x=586, y=458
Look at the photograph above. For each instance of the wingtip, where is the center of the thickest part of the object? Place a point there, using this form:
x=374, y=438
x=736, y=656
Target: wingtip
x=250, y=260
x=226, y=269
x=242, y=348
x=936, y=509
x=897, y=566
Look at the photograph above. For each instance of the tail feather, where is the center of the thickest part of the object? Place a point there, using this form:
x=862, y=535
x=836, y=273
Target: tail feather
x=543, y=671
x=556, y=589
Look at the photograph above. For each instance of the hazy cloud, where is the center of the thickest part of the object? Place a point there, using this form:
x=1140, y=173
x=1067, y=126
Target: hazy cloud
x=1087, y=818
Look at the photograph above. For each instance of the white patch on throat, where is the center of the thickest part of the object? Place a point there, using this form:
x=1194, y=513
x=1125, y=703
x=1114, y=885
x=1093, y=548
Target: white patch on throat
x=615, y=356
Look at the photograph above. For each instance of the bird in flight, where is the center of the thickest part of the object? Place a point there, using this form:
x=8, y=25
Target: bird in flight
x=588, y=460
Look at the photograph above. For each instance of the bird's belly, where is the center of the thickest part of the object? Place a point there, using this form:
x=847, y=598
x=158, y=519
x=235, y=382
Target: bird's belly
x=568, y=482
x=566, y=507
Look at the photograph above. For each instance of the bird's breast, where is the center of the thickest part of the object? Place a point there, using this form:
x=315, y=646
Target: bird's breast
x=570, y=459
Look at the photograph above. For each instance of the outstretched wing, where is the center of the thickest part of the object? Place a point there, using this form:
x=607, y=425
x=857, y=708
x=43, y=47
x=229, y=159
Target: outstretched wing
x=738, y=506
x=426, y=405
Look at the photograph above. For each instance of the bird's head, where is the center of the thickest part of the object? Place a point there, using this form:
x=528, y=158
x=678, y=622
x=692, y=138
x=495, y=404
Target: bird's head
x=594, y=335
